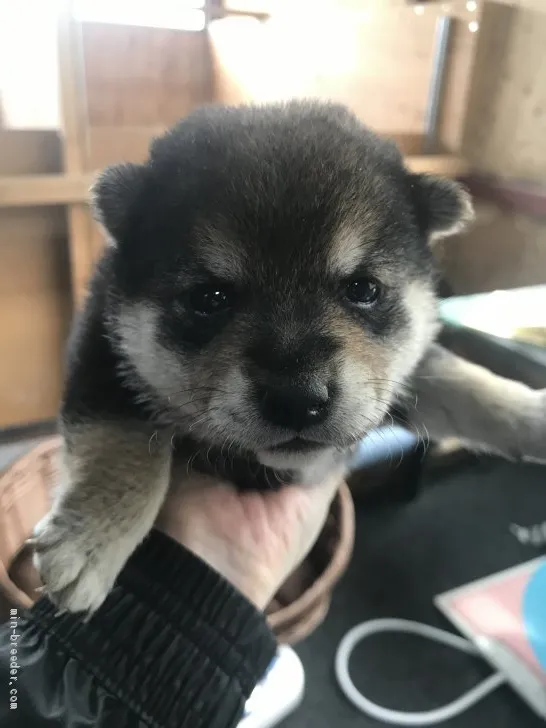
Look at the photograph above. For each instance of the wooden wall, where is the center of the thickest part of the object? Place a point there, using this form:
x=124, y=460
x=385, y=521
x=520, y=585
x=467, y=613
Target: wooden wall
x=138, y=81
x=379, y=66
x=143, y=77
x=35, y=302
x=506, y=126
x=502, y=250
x=505, y=136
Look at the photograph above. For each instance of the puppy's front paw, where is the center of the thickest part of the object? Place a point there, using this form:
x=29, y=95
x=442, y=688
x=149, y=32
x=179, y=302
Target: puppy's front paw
x=76, y=568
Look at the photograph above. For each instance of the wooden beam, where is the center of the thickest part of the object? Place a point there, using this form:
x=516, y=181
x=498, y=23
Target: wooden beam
x=75, y=128
x=44, y=189
x=444, y=165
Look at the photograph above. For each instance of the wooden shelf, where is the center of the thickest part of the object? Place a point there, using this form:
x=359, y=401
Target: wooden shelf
x=444, y=165
x=44, y=189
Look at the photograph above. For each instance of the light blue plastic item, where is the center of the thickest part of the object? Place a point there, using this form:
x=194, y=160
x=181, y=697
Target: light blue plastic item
x=384, y=443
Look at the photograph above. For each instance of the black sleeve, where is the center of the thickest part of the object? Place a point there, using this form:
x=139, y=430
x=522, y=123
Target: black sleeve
x=173, y=646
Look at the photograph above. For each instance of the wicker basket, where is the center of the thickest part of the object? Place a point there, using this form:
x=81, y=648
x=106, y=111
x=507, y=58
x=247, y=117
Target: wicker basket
x=298, y=608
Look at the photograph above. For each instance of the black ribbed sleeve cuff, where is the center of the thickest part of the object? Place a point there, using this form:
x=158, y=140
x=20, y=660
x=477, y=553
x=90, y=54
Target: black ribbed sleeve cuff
x=174, y=641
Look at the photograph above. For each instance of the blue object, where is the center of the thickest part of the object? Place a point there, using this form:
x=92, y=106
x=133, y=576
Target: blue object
x=534, y=613
x=384, y=444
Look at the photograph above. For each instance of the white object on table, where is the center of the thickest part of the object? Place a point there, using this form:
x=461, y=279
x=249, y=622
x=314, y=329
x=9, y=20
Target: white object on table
x=279, y=693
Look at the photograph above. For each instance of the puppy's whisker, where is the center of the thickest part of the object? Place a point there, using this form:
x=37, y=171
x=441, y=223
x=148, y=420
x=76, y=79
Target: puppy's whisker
x=229, y=449
x=153, y=437
x=191, y=460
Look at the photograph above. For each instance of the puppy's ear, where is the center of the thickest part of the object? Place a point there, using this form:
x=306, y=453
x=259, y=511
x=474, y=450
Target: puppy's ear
x=114, y=197
x=443, y=207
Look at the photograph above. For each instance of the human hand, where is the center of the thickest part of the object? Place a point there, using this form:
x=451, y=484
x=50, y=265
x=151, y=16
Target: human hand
x=255, y=540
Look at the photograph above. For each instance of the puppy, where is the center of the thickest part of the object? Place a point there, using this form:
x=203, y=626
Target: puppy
x=266, y=292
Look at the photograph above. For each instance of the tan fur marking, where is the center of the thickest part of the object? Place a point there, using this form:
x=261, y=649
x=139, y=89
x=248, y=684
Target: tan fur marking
x=347, y=251
x=422, y=311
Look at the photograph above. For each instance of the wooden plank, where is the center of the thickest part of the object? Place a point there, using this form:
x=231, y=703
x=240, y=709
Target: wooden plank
x=74, y=117
x=137, y=76
x=34, y=329
x=406, y=142
x=505, y=130
x=35, y=307
x=26, y=151
x=75, y=126
x=445, y=165
x=33, y=254
x=44, y=189
x=111, y=144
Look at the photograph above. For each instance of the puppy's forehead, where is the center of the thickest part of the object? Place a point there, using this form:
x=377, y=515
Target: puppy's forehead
x=334, y=245
x=352, y=244
x=337, y=254
x=287, y=190
x=219, y=251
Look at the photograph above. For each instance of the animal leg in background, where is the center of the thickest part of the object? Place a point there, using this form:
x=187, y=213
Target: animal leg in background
x=459, y=399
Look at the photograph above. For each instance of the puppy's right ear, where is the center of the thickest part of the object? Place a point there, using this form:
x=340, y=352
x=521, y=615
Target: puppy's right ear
x=443, y=207
x=114, y=197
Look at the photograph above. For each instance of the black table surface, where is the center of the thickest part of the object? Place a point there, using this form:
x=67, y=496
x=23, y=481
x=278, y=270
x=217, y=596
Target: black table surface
x=456, y=531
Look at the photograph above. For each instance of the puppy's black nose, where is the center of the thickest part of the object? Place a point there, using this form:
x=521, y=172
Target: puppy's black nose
x=294, y=407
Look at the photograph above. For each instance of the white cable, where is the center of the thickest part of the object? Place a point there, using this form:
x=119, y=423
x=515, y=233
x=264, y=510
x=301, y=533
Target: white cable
x=396, y=717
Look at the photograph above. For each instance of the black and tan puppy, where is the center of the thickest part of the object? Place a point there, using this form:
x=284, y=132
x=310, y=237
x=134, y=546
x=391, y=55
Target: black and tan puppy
x=266, y=293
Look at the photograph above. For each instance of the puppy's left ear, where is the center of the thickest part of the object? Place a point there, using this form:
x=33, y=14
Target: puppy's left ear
x=115, y=196
x=443, y=207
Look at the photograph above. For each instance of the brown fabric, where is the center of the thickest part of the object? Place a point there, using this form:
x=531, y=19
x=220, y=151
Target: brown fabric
x=298, y=608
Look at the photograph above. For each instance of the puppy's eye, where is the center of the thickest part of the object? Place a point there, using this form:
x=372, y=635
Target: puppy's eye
x=209, y=300
x=363, y=291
